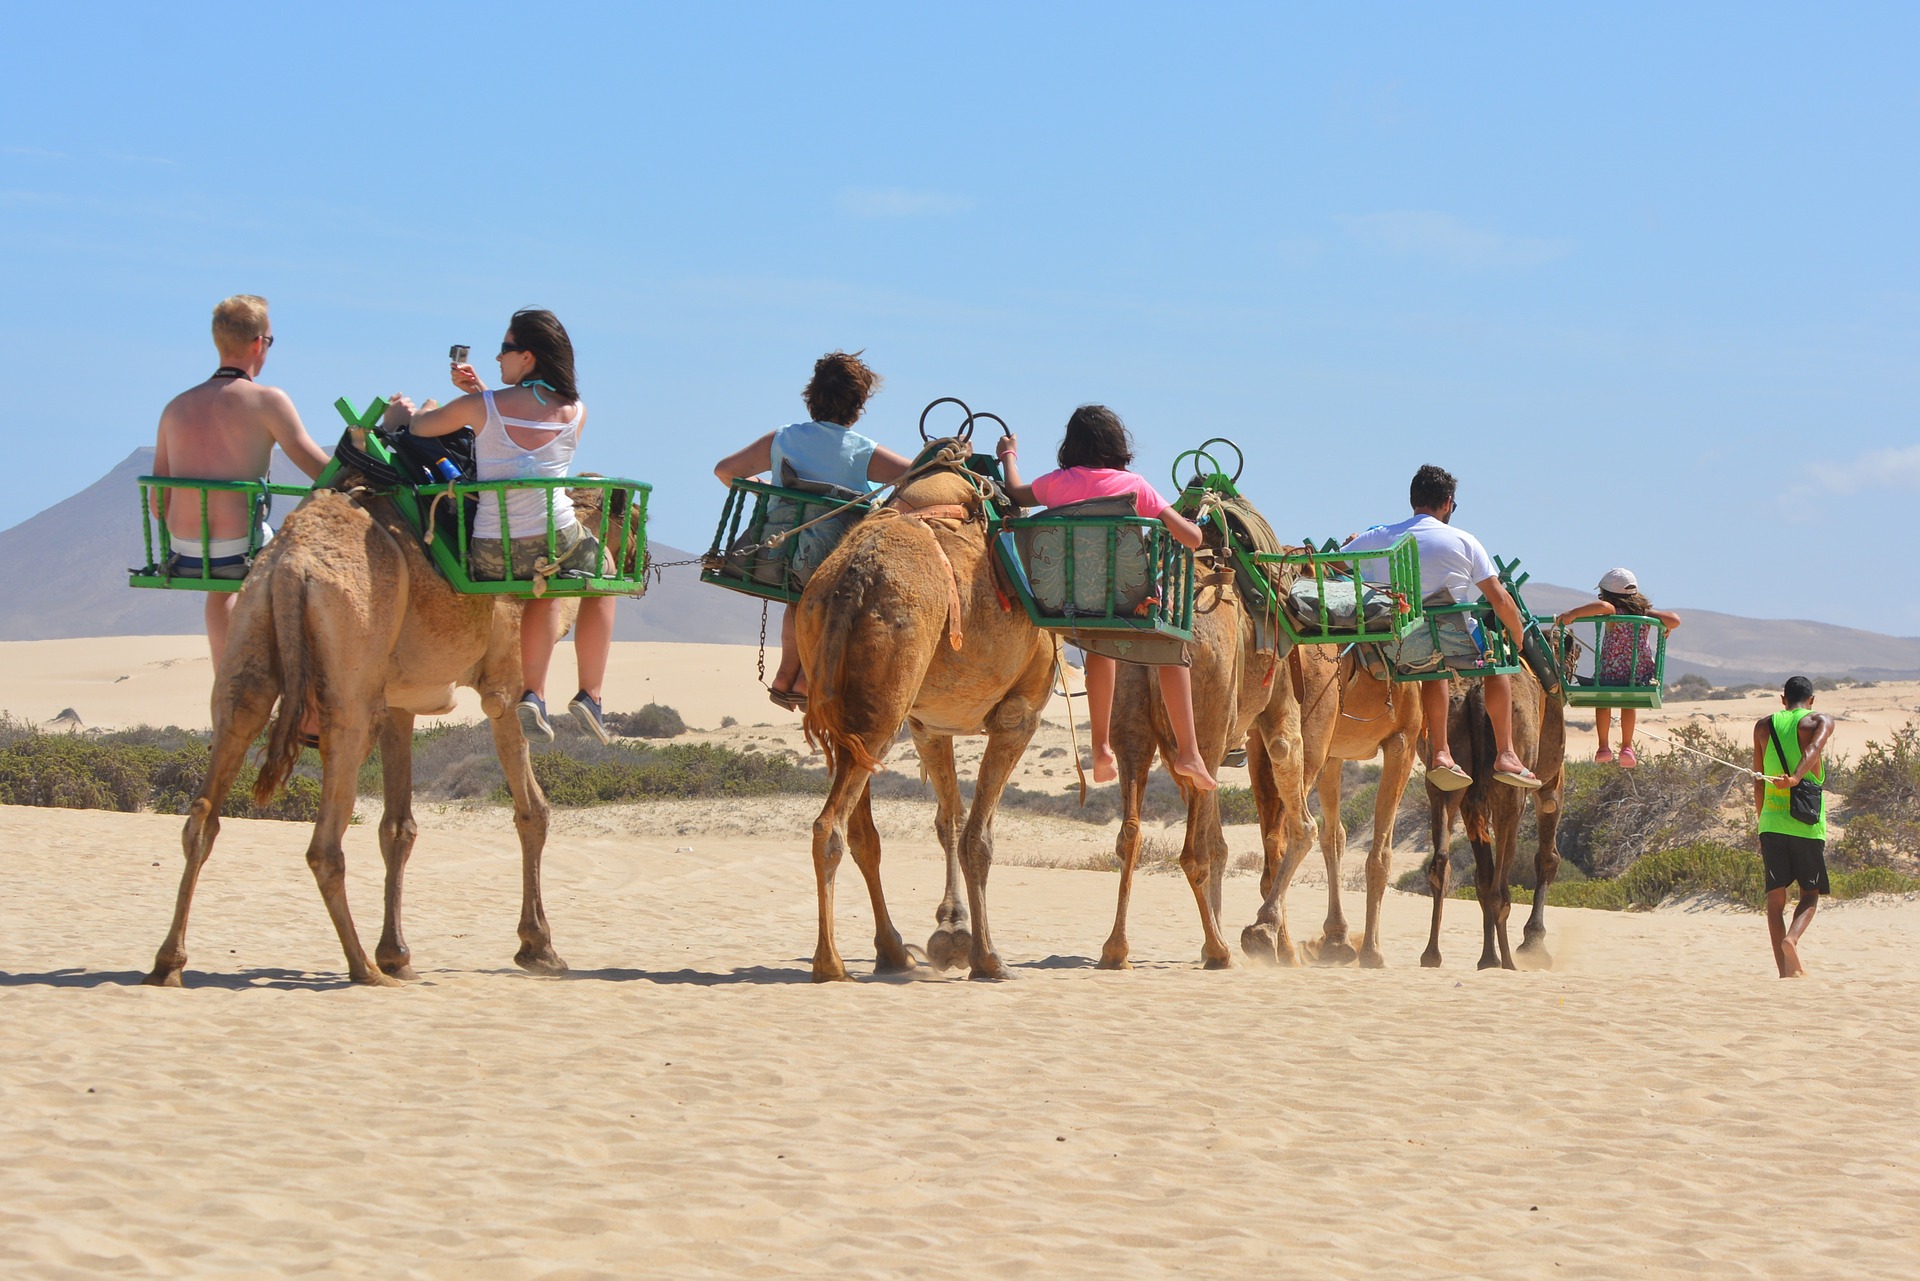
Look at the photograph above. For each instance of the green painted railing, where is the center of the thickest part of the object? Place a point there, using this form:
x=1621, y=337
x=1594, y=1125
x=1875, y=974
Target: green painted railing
x=619, y=565
x=161, y=546
x=1087, y=593
x=1333, y=564
x=1586, y=684
x=751, y=552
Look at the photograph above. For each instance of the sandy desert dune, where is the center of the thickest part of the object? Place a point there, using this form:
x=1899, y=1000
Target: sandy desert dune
x=685, y=1103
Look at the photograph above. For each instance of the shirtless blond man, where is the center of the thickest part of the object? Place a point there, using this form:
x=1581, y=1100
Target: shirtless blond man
x=225, y=429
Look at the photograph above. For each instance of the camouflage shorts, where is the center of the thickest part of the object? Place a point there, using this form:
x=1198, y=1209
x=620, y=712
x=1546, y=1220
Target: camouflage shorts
x=579, y=554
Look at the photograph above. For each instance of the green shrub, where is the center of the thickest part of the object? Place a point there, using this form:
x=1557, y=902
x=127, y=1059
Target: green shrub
x=629, y=773
x=140, y=769
x=651, y=721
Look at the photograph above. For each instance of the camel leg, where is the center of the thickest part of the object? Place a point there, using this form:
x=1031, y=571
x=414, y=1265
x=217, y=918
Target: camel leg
x=1484, y=890
x=242, y=708
x=530, y=815
x=1506, y=839
x=829, y=843
x=1004, y=749
x=1395, y=770
x=397, y=833
x=1134, y=773
x=1203, y=849
x=1333, y=947
x=1286, y=837
x=343, y=747
x=951, y=939
x=1533, y=954
x=1440, y=830
x=891, y=956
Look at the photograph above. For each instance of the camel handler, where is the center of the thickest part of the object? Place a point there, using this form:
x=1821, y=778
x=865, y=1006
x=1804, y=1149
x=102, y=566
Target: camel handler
x=1793, y=829
x=225, y=429
x=1452, y=563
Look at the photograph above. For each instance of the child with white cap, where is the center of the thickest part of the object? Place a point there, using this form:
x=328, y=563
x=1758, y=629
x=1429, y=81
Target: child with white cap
x=1617, y=662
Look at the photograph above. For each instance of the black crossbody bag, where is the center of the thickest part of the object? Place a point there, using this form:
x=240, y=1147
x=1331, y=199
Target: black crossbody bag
x=1803, y=798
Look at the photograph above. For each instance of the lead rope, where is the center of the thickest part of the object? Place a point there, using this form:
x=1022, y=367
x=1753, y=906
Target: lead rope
x=1753, y=774
x=1073, y=730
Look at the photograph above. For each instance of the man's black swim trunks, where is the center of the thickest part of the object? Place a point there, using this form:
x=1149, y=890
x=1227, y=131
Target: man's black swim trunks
x=1791, y=859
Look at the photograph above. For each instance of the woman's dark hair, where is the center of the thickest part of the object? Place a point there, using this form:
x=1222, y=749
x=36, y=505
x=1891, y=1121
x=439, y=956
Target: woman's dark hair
x=1431, y=488
x=839, y=388
x=1627, y=602
x=545, y=339
x=1096, y=438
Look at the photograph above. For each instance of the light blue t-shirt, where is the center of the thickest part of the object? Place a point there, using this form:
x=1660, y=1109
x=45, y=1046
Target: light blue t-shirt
x=824, y=452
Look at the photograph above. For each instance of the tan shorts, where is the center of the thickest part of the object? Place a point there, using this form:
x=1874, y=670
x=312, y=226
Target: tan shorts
x=579, y=554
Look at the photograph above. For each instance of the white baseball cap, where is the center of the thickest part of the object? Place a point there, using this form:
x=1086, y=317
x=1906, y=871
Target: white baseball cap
x=1618, y=581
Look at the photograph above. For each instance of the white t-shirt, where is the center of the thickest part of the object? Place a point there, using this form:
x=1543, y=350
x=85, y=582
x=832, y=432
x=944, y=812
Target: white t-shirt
x=1451, y=560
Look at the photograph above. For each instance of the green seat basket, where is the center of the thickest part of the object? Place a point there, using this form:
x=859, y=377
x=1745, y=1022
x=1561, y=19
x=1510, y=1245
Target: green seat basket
x=161, y=546
x=619, y=566
x=1329, y=604
x=1502, y=654
x=1110, y=578
x=754, y=550
x=1587, y=685
x=1210, y=479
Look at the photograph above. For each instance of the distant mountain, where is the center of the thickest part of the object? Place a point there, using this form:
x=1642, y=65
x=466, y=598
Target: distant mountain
x=63, y=573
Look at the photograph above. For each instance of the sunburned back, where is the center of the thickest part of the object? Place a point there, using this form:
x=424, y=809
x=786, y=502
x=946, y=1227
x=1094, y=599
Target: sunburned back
x=220, y=430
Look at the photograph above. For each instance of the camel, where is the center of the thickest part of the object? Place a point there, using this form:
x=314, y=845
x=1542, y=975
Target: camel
x=1491, y=813
x=344, y=610
x=1241, y=694
x=1346, y=714
x=904, y=622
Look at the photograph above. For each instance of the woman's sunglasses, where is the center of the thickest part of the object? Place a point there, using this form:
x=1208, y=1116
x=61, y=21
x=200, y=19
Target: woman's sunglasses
x=506, y=347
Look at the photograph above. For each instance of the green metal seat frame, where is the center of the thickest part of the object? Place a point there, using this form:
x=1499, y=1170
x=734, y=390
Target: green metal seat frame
x=1502, y=655
x=623, y=520
x=1330, y=561
x=747, y=511
x=157, y=538
x=1167, y=612
x=1591, y=691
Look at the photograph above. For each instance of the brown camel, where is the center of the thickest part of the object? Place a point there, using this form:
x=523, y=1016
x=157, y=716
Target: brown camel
x=1346, y=714
x=1491, y=812
x=343, y=610
x=904, y=622
x=1241, y=694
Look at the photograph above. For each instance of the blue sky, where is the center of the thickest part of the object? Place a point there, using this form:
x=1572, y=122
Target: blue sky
x=1644, y=277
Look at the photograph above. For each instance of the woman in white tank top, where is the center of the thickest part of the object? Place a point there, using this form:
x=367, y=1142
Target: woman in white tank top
x=530, y=428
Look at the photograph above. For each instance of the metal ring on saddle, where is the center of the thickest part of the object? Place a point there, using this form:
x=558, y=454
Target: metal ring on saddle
x=966, y=428
x=966, y=432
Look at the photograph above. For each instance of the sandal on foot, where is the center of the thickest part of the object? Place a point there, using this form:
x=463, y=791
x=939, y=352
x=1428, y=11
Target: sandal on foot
x=1603, y=757
x=1627, y=758
x=1235, y=759
x=1449, y=778
x=586, y=709
x=1524, y=779
x=310, y=740
x=532, y=710
x=788, y=699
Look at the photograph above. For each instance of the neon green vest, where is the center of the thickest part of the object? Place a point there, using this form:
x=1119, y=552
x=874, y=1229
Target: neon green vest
x=1774, y=815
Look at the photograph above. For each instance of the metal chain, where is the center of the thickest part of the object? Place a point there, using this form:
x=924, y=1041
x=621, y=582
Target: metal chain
x=761, y=675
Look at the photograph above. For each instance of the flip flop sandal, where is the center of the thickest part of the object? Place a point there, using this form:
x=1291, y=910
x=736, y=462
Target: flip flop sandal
x=1449, y=778
x=1524, y=780
x=788, y=699
x=310, y=740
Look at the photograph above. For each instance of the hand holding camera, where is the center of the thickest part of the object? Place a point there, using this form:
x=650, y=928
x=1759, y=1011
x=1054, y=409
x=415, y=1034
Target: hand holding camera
x=464, y=376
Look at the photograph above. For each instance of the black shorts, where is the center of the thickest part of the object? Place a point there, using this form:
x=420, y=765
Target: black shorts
x=1794, y=858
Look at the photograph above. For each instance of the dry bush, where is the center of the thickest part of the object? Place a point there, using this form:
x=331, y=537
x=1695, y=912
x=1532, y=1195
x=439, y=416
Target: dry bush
x=1611, y=817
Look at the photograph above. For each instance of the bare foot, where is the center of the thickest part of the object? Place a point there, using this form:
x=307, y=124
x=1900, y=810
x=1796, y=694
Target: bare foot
x=1194, y=770
x=1790, y=967
x=1105, y=767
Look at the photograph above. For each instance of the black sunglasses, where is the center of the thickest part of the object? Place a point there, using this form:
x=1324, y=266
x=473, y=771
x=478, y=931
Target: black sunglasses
x=506, y=347
x=267, y=339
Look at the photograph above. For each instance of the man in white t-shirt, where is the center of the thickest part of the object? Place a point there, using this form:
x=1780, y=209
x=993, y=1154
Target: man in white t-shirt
x=1453, y=565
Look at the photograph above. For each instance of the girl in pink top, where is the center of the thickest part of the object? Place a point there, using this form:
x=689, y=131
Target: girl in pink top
x=1093, y=461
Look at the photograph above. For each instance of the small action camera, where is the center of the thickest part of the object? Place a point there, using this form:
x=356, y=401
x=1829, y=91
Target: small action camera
x=458, y=353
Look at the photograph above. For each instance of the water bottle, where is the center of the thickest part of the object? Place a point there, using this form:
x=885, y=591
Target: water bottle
x=445, y=470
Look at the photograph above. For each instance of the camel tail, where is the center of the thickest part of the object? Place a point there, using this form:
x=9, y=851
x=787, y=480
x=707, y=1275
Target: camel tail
x=825, y=721
x=296, y=680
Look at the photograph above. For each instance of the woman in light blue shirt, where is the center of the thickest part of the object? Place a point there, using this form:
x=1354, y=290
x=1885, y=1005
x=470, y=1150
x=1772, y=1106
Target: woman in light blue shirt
x=827, y=450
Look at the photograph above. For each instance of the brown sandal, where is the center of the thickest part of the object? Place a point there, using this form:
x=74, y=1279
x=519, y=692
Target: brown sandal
x=788, y=699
